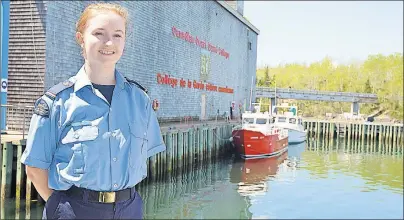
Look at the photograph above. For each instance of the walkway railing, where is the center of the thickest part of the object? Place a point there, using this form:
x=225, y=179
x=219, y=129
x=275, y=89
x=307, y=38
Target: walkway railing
x=18, y=117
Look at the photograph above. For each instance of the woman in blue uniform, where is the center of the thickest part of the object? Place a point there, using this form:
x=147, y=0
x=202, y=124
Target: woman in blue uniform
x=90, y=136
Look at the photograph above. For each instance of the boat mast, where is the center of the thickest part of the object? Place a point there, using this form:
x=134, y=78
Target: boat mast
x=252, y=82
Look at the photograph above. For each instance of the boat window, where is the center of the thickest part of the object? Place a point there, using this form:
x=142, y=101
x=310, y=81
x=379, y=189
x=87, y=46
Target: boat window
x=281, y=119
x=300, y=121
x=292, y=120
x=248, y=120
x=261, y=121
x=271, y=120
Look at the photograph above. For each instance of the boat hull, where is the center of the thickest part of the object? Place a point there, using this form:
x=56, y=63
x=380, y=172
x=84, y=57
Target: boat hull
x=296, y=137
x=254, y=144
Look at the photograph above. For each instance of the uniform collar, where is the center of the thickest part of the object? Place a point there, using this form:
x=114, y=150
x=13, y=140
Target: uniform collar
x=82, y=80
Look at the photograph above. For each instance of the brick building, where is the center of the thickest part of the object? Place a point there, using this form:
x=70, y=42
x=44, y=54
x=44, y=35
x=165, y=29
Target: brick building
x=194, y=57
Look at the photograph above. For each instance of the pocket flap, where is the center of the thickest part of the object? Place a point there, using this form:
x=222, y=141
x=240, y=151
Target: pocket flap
x=86, y=133
x=138, y=130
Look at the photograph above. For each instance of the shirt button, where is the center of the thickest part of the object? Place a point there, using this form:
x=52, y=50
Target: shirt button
x=115, y=185
x=114, y=159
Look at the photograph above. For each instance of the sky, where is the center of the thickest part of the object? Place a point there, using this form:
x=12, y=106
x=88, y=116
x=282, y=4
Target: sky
x=309, y=31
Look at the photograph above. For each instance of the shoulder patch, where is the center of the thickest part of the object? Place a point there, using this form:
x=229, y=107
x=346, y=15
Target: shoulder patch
x=137, y=84
x=54, y=90
x=41, y=108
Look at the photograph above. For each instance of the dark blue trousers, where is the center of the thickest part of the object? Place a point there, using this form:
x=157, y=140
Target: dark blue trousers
x=62, y=206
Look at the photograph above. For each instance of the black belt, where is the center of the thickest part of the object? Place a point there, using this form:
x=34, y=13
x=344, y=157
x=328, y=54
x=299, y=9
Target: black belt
x=103, y=197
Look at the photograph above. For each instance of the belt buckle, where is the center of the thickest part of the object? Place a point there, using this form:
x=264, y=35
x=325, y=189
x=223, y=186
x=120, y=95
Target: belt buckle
x=106, y=197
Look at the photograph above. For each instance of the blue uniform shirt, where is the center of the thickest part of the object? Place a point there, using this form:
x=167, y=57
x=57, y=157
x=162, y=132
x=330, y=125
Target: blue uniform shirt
x=82, y=140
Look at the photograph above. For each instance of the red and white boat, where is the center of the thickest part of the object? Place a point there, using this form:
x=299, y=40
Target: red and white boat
x=259, y=137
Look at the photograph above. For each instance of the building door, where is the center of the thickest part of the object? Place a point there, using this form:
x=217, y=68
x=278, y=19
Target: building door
x=203, y=106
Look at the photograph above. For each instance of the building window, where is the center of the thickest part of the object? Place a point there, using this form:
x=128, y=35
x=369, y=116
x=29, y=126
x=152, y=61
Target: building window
x=249, y=45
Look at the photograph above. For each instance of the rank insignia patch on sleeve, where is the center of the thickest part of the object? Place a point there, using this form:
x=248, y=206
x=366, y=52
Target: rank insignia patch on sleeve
x=41, y=108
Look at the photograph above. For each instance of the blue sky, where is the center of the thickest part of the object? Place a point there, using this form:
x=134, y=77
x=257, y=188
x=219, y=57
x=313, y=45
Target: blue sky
x=308, y=31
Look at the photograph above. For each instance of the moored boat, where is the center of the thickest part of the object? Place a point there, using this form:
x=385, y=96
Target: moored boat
x=292, y=122
x=259, y=137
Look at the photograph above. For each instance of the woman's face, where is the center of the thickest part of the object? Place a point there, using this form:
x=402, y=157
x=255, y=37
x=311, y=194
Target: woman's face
x=103, y=39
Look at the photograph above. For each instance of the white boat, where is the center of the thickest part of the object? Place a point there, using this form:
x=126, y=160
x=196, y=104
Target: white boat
x=286, y=117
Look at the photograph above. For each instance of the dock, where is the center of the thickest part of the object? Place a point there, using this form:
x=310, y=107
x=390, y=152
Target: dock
x=373, y=136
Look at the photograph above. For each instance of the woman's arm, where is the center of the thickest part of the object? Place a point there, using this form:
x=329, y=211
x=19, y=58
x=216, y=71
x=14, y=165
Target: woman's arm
x=39, y=178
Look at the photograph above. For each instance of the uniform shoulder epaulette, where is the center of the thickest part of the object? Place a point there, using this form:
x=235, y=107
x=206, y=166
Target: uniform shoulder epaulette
x=137, y=84
x=56, y=89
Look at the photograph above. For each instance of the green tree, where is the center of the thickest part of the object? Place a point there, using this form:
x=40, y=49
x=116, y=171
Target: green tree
x=379, y=74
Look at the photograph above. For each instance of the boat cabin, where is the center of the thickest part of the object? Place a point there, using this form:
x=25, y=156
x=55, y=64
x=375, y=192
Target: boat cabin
x=257, y=118
x=288, y=120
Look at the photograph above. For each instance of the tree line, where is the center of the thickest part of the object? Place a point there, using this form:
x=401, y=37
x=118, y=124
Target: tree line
x=378, y=74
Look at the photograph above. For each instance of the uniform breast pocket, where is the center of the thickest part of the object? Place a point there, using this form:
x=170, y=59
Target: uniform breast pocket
x=138, y=144
x=86, y=133
x=75, y=142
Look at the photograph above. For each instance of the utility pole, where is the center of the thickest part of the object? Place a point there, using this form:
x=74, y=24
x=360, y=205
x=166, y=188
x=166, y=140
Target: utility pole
x=4, y=35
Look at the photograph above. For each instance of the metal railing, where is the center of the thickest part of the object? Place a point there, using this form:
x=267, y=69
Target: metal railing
x=18, y=117
x=316, y=92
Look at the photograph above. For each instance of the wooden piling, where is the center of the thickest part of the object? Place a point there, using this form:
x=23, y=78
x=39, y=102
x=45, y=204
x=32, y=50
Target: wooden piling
x=380, y=138
x=191, y=142
x=349, y=136
x=390, y=139
x=372, y=133
x=185, y=150
x=200, y=145
x=18, y=177
x=169, y=152
x=399, y=137
x=394, y=139
x=175, y=150
x=362, y=131
x=333, y=128
x=28, y=198
x=210, y=143
x=180, y=150
x=6, y=171
x=386, y=138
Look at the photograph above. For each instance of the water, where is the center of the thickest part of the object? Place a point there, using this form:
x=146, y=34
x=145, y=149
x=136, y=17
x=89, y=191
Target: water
x=305, y=182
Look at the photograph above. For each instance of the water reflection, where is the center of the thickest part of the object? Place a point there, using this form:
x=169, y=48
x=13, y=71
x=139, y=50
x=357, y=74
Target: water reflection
x=12, y=209
x=251, y=175
x=321, y=179
x=202, y=193
x=381, y=170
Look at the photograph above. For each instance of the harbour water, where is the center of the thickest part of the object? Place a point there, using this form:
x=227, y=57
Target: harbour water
x=309, y=181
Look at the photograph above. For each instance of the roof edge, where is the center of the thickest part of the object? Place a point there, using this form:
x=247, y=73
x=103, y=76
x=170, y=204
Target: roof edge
x=238, y=15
